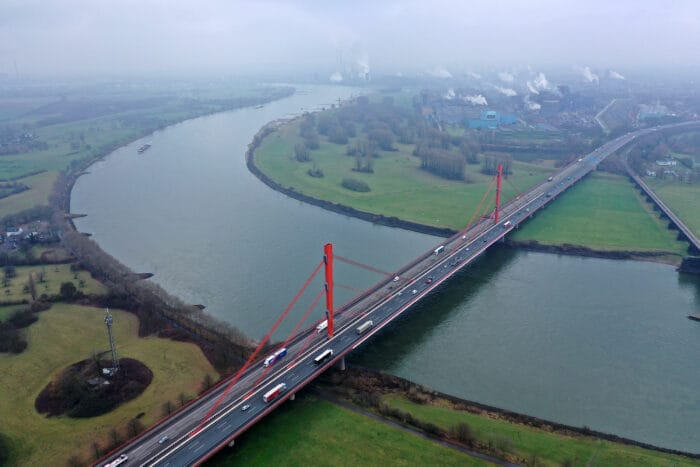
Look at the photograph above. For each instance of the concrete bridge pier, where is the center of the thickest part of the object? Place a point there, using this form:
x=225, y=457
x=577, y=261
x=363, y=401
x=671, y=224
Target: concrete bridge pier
x=232, y=443
x=292, y=397
x=341, y=364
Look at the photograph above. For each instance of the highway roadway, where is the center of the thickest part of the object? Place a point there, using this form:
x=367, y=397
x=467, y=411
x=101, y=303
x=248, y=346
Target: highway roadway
x=387, y=300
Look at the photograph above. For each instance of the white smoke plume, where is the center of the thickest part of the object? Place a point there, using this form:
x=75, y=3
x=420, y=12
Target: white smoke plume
x=363, y=67
x=587, y=74
x=510, y=92
x=615, y=75
x=474, y=75
x=336, y=77
x=531, y=105
x=476, y=99
x=450, y=94
x=539, y=83
x=506, y=77
x=440, y=72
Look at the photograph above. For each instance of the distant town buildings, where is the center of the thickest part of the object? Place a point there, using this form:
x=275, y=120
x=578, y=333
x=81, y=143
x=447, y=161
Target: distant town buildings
x=491, y=119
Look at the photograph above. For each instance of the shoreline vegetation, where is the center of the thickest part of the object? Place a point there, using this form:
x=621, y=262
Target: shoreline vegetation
x=267, y=131
x=370, y=408
x=157, y=313
x=358, y=385
x=281, y=151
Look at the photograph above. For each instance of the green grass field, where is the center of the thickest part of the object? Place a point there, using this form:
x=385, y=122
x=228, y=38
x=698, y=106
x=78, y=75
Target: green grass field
x=83, y=135
x=549, y=448
x=310, y=431
x=64, y=335
x=604, y=212
x=684, y=200
x=399, y=187
x=54, y=276
x=40, y=186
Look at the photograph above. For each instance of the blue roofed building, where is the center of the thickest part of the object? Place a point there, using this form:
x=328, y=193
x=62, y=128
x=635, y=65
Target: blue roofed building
x=491, y=119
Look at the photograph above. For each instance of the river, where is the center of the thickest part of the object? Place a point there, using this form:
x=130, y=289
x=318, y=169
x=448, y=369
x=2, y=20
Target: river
x=580, y=341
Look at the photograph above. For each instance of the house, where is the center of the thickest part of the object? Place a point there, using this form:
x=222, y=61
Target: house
x=667, y=162
x=14, y=231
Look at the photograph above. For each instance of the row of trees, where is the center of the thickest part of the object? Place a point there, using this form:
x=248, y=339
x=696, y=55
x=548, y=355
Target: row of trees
x=441, y=162
x=490, y=161
x=156, y=308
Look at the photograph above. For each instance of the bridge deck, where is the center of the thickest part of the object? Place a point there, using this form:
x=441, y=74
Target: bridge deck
x=692, y=238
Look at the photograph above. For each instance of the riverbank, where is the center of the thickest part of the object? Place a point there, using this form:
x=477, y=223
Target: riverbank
x=526, y=436
x=158, y=311
x=328, y=205
x=654, y=241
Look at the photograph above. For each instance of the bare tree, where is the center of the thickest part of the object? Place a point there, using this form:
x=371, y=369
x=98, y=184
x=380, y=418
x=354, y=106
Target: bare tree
x=167, y=408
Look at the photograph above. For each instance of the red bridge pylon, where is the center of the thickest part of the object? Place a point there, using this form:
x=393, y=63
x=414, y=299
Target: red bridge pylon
x=328, y=263
x=499, y=175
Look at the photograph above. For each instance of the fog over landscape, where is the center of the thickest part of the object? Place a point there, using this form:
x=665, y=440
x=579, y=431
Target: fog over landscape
x=442, y=38
x=360, y=232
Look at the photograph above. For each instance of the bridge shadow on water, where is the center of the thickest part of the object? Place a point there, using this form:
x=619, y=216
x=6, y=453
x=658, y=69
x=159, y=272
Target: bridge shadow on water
x=692, y=282
x=417, y=324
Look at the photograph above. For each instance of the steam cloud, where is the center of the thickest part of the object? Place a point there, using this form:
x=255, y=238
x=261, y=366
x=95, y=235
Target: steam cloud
x=450, y=94
x=363, y=67
x=531, y=105
x=615, y=75
x=477, y=99
x=587, y=74
x=440, y=72
x=336, y=77
x=474, y=74
x=510, y=92
x=539, y=83
x=506, y=77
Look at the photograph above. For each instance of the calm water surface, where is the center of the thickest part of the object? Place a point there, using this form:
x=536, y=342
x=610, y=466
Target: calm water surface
x=581, y=341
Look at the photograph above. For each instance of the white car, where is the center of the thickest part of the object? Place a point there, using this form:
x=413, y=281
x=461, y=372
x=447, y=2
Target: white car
x=414, y=291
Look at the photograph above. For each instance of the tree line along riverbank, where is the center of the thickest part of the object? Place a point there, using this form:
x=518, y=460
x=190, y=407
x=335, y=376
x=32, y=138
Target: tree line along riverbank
x=602, y=216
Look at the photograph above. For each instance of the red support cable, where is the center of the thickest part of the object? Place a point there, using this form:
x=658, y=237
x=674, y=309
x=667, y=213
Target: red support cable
x=347, y=287
x=364, y=266
x=478, y=208
x=328, y=262
x=260, y=346
x=286, y=341
x=498, y=192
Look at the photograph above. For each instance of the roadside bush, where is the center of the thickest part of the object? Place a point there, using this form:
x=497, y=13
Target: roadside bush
x=354, y=184
x=12, y=341
x=38, y=306
x=22, y=318
x=432, y=429
x=464, y=433
x=4, y=450
x=499, y=444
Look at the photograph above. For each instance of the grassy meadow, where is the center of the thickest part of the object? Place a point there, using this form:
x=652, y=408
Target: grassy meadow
x=683, y=199
x=549, y=449
x=399, y=186
x=603, y=212
x=309, y=431
x=64, y=335
x=53, y=276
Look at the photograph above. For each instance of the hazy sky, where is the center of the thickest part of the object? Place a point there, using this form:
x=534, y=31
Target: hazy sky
x=224, y=36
